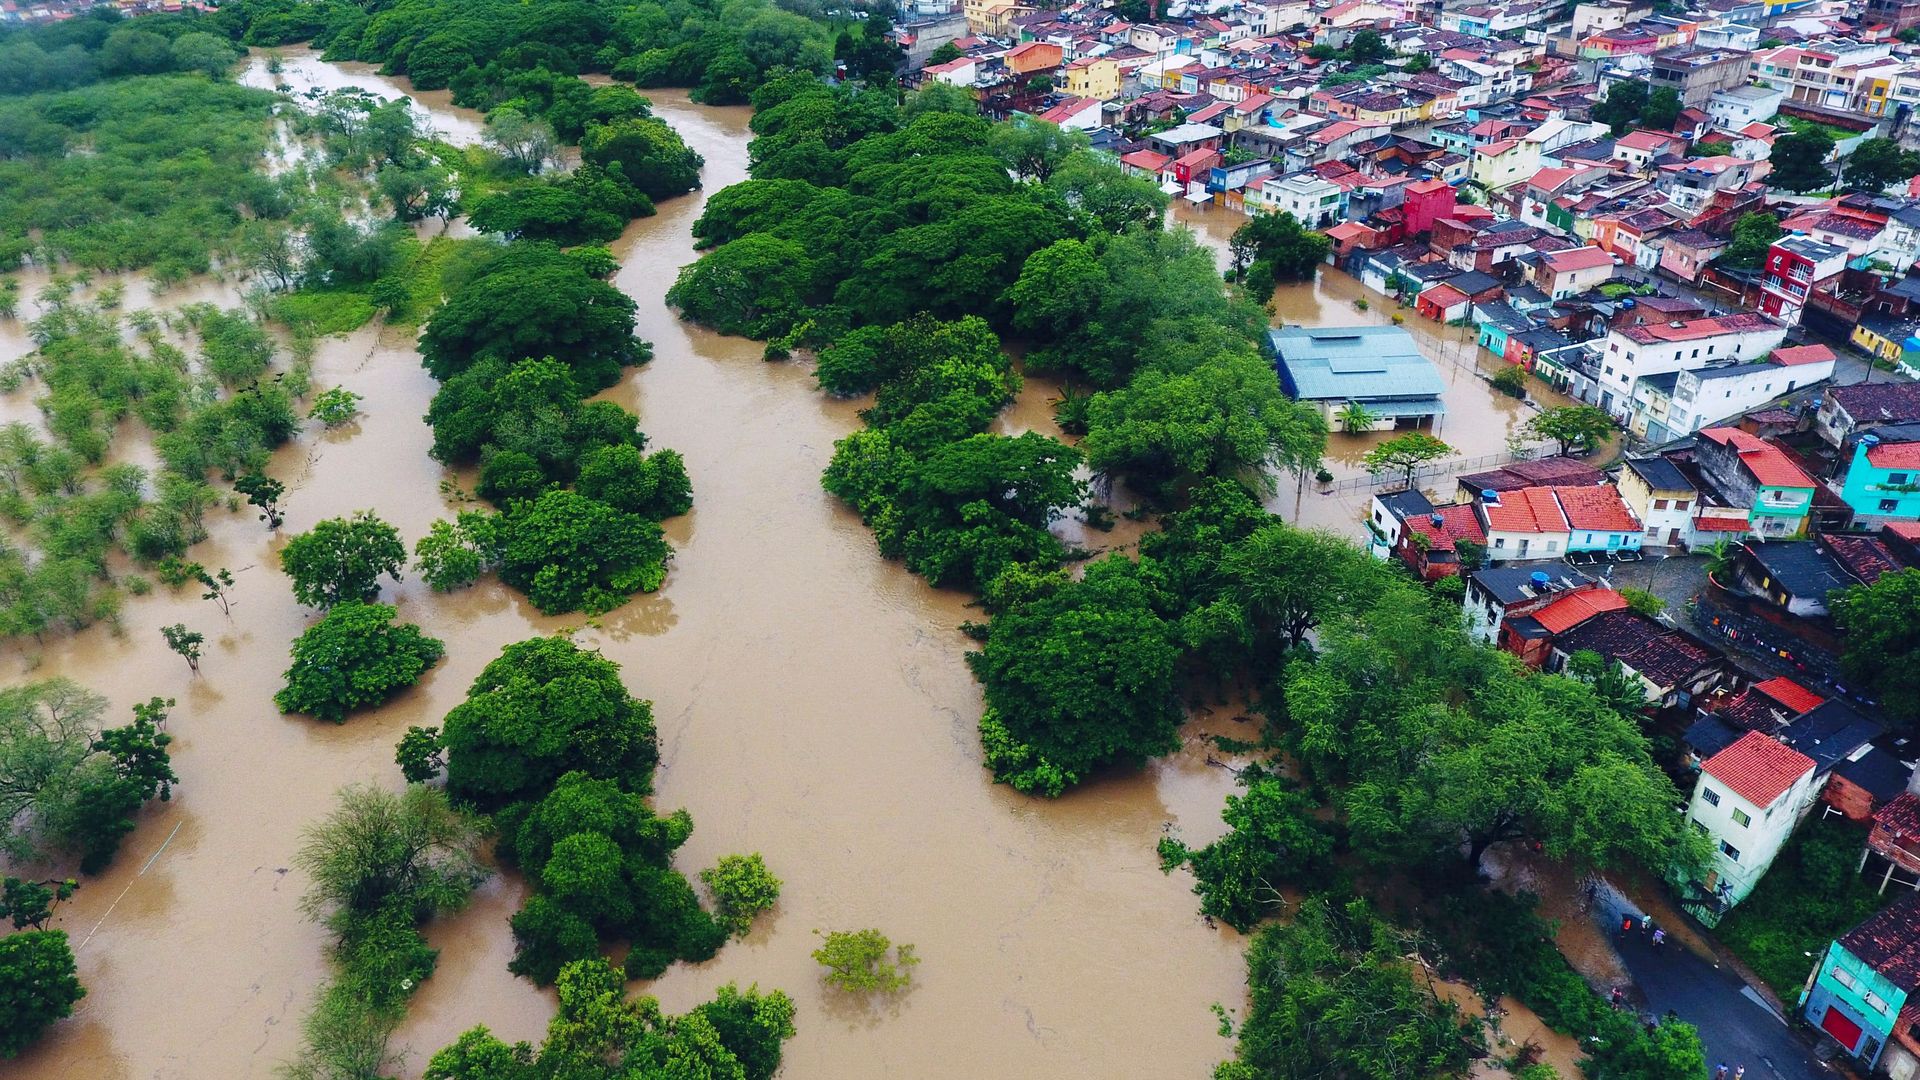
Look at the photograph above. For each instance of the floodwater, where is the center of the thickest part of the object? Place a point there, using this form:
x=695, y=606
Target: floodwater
x=1478, y=422
x=812, y=705
x=301, y=70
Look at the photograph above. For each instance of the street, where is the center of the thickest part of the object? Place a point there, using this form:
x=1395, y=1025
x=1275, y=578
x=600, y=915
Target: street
x=1734, y=1026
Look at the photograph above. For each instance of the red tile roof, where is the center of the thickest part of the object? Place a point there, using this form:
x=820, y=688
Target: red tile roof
x=1692, y=329
x=1444, y=295
x=1598, y=508
x=1580, y=258
x=1721, y=524
x=1790, y=694
x=1769, y=464
x=1146, y=159
x=1802, y=354
x=1903, y=455
x=1527, y=510
x=1757, y=768
x=1645, y=140
x=1457, y=522
x=1575, y=608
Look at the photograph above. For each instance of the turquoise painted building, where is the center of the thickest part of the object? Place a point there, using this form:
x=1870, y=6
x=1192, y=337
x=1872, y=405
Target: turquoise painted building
x=1864, y=981
x=1883, y=480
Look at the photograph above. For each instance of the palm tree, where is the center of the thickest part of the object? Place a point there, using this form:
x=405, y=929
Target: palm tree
x=1355, y=418
x=1720, y=559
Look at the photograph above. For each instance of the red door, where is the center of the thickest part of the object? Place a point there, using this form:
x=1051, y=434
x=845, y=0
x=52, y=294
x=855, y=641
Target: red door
x=1836, y=1024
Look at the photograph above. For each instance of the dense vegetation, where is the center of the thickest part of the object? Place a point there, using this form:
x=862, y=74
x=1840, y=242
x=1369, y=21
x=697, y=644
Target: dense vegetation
x=599, y=1032
x=509, y=403
x=1813, y=893
x=381, y=865
x=494, y=51
x=68, y=788
x=147, y=169
x=1880, y=625
x=354, y=658
x=552, y=745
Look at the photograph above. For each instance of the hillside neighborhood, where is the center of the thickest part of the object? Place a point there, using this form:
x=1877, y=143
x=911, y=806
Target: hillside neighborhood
x=1696, y=220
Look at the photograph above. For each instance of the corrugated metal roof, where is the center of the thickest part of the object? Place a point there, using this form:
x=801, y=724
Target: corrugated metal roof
x=1354, y=363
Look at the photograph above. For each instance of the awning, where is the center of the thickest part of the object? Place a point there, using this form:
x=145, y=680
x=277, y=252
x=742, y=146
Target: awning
x=1422, y=407
x=1171, y=188
x=1198, y=197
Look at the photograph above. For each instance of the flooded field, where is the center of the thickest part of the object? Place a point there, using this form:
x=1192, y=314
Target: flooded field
x=812, y=704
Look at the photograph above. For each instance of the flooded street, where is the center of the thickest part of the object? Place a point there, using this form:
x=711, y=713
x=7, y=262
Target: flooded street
x=812, y=705
x=1479, y=419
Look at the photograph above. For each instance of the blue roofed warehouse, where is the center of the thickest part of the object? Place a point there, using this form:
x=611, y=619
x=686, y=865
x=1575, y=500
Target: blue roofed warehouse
x=1377, y=367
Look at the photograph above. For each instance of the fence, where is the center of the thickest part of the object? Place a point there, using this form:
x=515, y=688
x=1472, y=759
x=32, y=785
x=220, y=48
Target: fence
x=1449, y=467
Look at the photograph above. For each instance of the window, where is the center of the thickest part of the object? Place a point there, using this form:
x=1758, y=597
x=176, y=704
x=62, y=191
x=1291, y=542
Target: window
x=1698, y=827
x=1500, y=542
x=1680, y=504
x=1888, y=506
x=1731, y=852
x=1609, y=370
x=1711, y=797
x=1553, y=545
x=1659, y=504
x=1896, y=478
x=1696, y=354
x=1843, y=977
x=1741, y=818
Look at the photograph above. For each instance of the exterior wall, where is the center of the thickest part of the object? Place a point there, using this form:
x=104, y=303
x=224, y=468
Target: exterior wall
x=1667, y=515
x=1507, y=546
x=1099, y=80
x=1864, y=996
x=1602, y=540
x=1780, y=513
x=1878, y=495
x=1757, y=842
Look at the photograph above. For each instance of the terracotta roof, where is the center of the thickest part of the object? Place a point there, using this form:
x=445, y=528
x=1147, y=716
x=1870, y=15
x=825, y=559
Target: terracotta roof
x=1445, y=295
x=1693, y=329
x=1903, y=455
x=1865, y=557
x=1575, y=608
x=1457, y=522
x=1527, y=510
x=1495, y=149
x=1802, y=354
x=1720, y=524
x=1901, y=817
x=1580, y=258
x=1889, y=941
x=1348, y=230
x=1645, y=140
x=1598, y=508
x=1757, y=768
x=1790, y=694
x=1665, y=656
x=1146, y=159
x=1768, y=463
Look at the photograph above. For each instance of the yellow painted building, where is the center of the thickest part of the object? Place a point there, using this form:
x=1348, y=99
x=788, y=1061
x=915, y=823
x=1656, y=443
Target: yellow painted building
x=1884, y=347
x=1094, y=77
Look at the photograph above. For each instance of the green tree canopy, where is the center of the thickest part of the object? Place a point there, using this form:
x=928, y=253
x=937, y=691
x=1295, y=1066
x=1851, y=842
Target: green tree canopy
x=534, y=300
x=38, y=986
x=1579, y=429
x=1800, y=161
x=342, y=559
x=1880, y=635
x=355, y=657
x=1077, y=675
x=546, y=707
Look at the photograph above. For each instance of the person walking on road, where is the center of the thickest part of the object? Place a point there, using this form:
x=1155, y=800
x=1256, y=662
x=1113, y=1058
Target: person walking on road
x=1720, y=1071
x=1740, y=1073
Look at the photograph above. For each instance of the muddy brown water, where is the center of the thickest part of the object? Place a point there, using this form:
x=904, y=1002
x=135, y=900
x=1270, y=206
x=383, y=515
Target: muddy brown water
x=812, y=705
x=1478, y=421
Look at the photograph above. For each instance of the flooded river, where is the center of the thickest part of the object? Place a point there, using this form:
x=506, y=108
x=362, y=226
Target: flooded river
x=812, y=705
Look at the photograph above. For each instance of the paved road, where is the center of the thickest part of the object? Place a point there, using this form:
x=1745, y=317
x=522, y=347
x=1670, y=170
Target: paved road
x=1733, y=1025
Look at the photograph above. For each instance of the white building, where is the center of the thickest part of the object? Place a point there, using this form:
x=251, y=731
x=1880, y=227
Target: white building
x=1313, y=200
x=1747, y=801
x=1679, y=403
x=1739, y=106
x=1634, y=352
